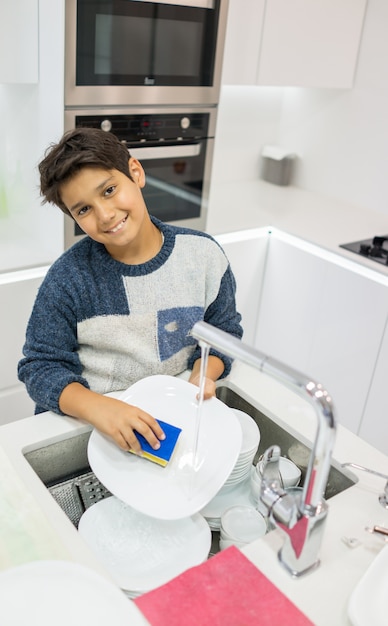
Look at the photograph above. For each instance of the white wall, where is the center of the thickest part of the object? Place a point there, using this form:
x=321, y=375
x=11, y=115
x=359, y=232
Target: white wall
x=31, y=116
x=341, y=136
x=248, y=117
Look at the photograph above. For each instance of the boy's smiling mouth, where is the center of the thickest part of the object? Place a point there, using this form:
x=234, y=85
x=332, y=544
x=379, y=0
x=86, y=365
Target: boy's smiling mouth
x=118, y=227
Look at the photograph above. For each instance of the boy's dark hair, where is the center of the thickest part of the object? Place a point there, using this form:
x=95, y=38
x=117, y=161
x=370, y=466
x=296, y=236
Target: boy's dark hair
x=79, y=148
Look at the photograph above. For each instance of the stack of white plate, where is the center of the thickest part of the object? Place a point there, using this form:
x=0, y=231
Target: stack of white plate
x=141, y=552
x=225, y=498
x=237, y=488
x=249, y=445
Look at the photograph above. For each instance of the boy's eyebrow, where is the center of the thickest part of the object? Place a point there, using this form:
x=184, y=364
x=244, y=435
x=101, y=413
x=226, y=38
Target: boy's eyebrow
x=99, y=187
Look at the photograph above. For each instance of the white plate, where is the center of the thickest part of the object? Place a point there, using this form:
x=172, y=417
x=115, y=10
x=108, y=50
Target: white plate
x=249, y=445
x=242, y=523
x=181, y=488
x=141, y=552
x=237, y=477
x=235, y=480
x=250, y=430
x=227, y=497
x=214, y=523
x=43, y=593
x=368, y=602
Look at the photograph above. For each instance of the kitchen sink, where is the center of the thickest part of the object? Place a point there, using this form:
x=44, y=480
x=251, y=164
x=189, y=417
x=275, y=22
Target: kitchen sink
x=292, y=445
x=64, y=469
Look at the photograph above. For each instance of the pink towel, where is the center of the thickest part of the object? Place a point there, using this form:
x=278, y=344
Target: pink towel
x=226, y=590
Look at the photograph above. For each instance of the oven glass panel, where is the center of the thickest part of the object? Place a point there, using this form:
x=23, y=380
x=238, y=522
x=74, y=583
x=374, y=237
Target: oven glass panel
x=120, y=42
x=173, y=189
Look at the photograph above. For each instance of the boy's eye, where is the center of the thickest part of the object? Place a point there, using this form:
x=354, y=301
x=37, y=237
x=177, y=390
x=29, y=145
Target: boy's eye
x=83, y=210
x=109, y=190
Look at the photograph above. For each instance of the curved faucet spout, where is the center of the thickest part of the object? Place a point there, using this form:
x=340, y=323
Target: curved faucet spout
x=303, y=537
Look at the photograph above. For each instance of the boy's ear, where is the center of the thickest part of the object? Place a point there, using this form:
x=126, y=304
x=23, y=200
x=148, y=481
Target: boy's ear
x=136, y=171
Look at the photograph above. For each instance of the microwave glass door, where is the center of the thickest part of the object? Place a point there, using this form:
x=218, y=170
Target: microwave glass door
x=127, y=42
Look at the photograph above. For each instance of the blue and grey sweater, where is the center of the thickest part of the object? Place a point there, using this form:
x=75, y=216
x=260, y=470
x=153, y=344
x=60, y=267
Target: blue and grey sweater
x=106, y=324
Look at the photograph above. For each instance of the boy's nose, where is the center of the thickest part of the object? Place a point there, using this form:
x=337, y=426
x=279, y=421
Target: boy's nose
x=105, y=213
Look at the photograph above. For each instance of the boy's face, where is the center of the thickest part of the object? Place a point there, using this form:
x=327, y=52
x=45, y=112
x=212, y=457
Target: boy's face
x=106, y=204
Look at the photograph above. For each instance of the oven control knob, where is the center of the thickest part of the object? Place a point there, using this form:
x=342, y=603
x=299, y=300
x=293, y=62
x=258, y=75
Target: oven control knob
x=185, y=123
x=106, y=125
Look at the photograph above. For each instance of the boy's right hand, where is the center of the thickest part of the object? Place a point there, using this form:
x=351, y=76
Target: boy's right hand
x=122, y=419
x=112, y=417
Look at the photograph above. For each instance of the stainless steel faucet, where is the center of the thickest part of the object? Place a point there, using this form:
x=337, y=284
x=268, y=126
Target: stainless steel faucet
x=300, y=517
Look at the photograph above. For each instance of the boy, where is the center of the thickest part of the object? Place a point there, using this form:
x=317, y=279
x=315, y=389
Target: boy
x=118, y=305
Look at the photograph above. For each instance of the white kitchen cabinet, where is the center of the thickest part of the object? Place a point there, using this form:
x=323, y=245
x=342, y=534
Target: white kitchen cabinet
x=19, y=59
x=242, y=42
x=247, y=251
x=325, y=317
x=306, y=43
x=374, y=425
x=17, y=295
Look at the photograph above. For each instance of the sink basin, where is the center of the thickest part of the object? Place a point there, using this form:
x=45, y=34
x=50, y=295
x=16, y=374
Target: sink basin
x=64, y=468
x=292, y=445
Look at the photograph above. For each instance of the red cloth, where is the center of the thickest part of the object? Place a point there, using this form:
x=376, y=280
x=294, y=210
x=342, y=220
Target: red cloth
x=226, y=590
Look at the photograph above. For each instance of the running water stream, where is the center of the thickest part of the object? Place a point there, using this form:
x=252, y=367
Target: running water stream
x=195, y=461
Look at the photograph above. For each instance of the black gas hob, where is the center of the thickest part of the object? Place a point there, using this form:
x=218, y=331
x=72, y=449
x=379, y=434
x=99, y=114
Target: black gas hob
x=375, y=249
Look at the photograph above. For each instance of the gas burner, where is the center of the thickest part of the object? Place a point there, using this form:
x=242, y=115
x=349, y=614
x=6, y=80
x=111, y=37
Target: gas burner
x=373, y=249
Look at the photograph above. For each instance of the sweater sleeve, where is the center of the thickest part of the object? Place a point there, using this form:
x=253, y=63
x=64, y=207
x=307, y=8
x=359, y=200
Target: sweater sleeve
x=222, y=314
x=50, y=351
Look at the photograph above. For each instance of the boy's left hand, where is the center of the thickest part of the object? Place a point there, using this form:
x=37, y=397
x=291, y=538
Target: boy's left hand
x=209, y=388
x=215, y=368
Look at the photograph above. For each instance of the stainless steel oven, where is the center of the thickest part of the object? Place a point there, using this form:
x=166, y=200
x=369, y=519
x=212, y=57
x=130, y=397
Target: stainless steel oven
x=143, y=52
x=175, y=147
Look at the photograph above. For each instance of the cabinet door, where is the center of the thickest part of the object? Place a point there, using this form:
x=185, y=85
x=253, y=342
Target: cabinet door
x=311, y=43
x=242, y=42
x=246, y=252
x=306, y=43
x=374, y=425
x=17, y=297
x=325, y=319
x=19, y=41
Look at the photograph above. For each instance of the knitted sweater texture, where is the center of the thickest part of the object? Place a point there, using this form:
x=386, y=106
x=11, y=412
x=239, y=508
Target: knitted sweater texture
x=106, y=324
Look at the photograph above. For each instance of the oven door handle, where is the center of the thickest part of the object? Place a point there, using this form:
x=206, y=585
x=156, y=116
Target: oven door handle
x=201, y=4
x=176, y=151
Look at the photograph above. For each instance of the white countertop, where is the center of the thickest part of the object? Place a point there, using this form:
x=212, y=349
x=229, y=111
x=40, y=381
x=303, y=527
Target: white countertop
x=320, y=220
x=324, y=594
x=34, y=527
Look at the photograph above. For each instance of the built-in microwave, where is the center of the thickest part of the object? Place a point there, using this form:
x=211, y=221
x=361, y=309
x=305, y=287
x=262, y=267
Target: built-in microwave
x=143, y=52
